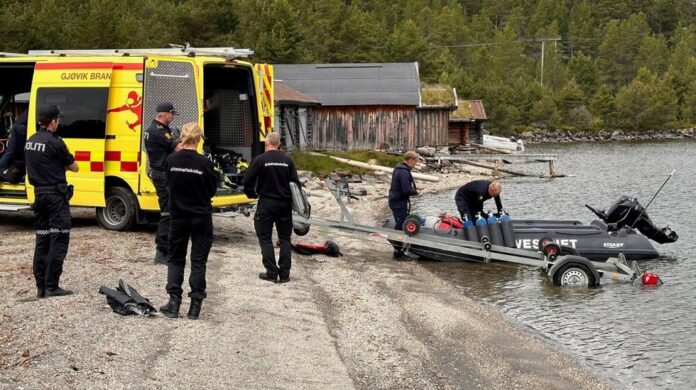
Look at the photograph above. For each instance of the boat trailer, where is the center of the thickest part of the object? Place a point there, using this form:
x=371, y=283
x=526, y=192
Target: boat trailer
x=565, y=271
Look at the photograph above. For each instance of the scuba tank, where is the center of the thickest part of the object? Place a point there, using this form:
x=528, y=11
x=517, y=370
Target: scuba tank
x=496, y=230
x=470, y=233
x=484, y=234
x=508, y=231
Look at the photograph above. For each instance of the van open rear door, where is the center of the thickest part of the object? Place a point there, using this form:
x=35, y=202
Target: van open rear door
x=172, y=80
x=80, y=88
x=264, y=80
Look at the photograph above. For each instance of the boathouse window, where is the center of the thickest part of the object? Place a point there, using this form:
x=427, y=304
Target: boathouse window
x=83, y=110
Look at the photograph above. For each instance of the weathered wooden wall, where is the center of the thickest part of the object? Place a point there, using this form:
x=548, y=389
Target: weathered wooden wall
x=432, y=126
x=377, y=127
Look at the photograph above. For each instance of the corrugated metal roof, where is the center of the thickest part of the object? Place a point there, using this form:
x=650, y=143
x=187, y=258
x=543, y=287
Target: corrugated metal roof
x=354, y=84
x=283, y=93
x=469, y=110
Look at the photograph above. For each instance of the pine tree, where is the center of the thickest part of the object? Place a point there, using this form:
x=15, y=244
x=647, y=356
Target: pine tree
x=617, y=58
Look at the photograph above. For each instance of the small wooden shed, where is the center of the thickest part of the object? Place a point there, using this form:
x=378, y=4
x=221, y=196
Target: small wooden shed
x=466, y=123
x=367, y=106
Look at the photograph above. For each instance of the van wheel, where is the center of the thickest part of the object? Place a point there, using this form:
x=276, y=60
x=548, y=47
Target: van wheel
x=119, y=213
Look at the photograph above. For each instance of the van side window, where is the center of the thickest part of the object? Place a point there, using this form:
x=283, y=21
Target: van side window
x=83, y=110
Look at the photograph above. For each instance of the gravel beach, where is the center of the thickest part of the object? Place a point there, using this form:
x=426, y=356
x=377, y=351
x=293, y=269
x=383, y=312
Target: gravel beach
x=359, y=321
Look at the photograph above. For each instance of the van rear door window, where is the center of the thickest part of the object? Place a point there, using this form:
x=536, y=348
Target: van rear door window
x=83, y=110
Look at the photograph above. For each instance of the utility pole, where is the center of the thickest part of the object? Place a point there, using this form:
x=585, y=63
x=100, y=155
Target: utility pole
x=543, y=50
x=543, y=45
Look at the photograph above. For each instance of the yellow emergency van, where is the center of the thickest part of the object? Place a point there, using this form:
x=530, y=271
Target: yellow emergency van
x=108, y=98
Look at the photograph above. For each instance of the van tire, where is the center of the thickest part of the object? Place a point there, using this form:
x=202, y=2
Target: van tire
x=120, y=211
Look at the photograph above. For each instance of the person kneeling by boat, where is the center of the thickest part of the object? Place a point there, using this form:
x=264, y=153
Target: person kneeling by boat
x=400, y=192
x=470, y=197
x=191, y=182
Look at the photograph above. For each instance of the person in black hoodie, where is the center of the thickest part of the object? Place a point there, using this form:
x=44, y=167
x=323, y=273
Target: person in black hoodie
x=191, y=183
x=12, y=164
x=400, y=192
x=268, y=178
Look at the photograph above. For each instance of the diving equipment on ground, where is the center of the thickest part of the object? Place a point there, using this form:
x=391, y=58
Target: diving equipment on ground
x=125, y=300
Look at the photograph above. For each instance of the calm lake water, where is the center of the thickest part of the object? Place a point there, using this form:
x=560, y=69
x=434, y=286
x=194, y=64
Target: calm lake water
x=631, y=336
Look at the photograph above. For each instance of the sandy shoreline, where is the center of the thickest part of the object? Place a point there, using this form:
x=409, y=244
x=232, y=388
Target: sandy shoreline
x=360, y=321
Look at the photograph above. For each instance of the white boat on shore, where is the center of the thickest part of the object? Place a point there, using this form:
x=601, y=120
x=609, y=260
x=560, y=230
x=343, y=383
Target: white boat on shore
x=492, y=141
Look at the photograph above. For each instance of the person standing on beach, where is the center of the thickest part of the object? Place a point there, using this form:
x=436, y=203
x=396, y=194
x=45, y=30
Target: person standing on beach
x=400, y=192
x=47, y=158
x=192, y=182
x=268, y=178
x=470, y=197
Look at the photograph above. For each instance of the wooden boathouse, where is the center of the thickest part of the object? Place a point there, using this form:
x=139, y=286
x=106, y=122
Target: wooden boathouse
x=367, y=106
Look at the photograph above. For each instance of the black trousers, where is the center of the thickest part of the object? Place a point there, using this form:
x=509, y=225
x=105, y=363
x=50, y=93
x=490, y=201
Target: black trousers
x=400, y=211
x=280, y=215
x=200, y=230
x=52, y=228
x=160, y=182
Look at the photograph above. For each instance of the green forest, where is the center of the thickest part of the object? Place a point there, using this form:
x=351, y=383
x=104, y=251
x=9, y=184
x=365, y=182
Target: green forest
x=607, y=64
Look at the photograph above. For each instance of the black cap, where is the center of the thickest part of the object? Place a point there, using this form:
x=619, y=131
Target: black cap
x=48, y=112
x=166, y=107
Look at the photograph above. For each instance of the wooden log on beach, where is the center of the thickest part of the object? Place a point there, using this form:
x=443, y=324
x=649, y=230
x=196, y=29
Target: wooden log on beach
x=375, y=167
x=496, y=168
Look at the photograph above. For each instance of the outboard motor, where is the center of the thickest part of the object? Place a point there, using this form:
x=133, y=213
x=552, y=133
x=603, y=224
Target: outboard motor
x=496, y=230
x=301, y=206
x=470, y=230
x=629, y=212
x=508, y=230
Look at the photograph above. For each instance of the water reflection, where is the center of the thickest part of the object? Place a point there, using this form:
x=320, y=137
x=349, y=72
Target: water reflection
x=632, y=335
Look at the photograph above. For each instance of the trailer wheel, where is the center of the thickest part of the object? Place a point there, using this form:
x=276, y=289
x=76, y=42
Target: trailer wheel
x=120, y=210
x=572, y=274
x=411, y=225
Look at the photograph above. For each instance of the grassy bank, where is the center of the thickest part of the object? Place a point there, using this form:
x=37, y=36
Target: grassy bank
x=322, y=166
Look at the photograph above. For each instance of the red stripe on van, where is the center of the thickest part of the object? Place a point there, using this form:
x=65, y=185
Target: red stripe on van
x=82, y=156
x=129, y=66
x=75, y=65
x=112, y=156
x=96, y=166
x=129, y=166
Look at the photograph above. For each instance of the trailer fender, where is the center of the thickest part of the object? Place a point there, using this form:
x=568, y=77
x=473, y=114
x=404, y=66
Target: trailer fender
x=567, y=265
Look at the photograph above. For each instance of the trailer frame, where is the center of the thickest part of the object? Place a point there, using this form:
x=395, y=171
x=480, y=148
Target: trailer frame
x=615, y=269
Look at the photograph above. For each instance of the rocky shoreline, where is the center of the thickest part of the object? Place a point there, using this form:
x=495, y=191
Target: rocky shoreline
x=360, y=321
x=563, y=136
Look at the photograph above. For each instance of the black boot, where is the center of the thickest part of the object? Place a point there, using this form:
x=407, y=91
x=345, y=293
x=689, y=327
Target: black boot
x=194, y=309
x=171, y=309
x=57, y=292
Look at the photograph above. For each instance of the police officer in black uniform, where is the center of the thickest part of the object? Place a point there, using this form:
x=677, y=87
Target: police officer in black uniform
x=470, y=197
x=192, y=183
x=47, y=158
x=268, y=178
x=160, y=143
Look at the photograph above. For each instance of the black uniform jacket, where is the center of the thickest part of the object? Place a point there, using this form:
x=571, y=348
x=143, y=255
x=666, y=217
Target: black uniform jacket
x=470, y=198
x=159, y=144
x=402, y=185
x=268, y=178
x=46, y=156
x=191, y=181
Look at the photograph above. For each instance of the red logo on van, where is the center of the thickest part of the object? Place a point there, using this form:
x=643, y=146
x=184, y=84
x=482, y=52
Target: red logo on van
x=134, y=104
